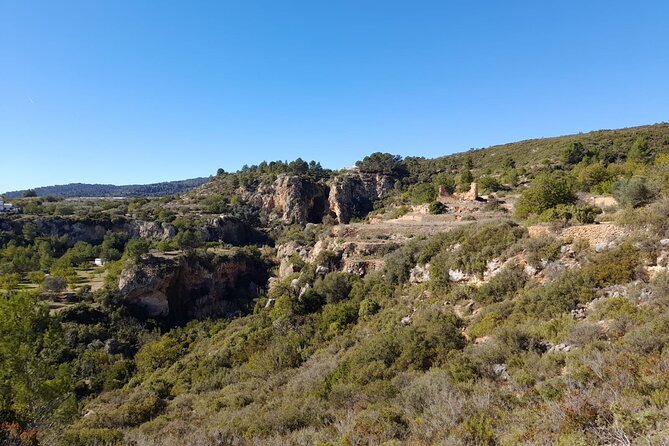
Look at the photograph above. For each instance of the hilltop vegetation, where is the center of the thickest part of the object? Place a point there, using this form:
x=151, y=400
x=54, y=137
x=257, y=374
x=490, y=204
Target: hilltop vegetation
x=76, y=190
x=535, y=314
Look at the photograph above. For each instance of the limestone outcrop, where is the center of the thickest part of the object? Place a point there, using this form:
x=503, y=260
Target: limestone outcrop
x=227, y=229
x=154, y=230
x=222, y=228
x=302, y=200
x=293, y=199
x=353, y=194
x=181, y=288
x=88, y=230
x=91, y=231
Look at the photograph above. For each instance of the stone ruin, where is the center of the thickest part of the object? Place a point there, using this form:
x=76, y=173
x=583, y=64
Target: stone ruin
x=472, y=195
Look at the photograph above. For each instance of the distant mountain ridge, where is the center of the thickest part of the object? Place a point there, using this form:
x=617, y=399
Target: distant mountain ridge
x=74, y=190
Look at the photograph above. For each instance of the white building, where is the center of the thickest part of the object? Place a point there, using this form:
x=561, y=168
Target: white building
x=7, y=208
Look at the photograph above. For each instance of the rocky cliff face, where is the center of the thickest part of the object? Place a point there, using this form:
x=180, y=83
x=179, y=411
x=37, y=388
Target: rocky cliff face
x=219, y=229
x=150, y=229
x=78, y=230
x=224, y=228
x=88, y=230
x=302, y=200
x=293, y=199
x=182, y=288
x=353, y=194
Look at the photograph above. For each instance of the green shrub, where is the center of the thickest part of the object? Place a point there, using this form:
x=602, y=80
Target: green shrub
x=368, y=307
x=490, y=318
x=460, y=367
x=503, y=285
x=188, y=239
x=282, y=352
x=54, y=284
x=67, y=273
x=37, y=383
x=114, y=270
x=91, y=437
x=633, y=192
x=489, y=184
x=651, y=337
x=494, y=205
x=447, y=181
x=372, y=359
x=585, y=214
x=335, y=286
x=139, y=408
x=614, y=266
x=421, y=193
x=594, y=177
x=561, y=295
x=336, y=317
x=437, y=207
x=614, y=308
x=567, y=213
x=399, y=212
x=136, y=248
x=640, y=152
x=118, y=374
x=10, y=281
x=469, y=248
x=428, y=340
x=398, y=264
x=654, y=217
x=537, y=249
x=465, y=179
x=158, y=354
x=477, y=430
x=574, y=154
x=36, y=277
x=546, y=191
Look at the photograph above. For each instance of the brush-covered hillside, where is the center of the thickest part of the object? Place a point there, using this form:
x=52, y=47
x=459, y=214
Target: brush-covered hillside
x=515, y=295
x=77, y=190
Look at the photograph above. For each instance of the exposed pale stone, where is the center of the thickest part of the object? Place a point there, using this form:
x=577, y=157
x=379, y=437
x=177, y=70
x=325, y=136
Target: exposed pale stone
x=420, y=274
x=455, y=275
x=354, y=192
x=501, y=371
x=184, y=288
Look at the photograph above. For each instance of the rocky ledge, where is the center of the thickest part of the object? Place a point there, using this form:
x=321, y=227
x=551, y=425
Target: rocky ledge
x=303, y=200
x=185, y=287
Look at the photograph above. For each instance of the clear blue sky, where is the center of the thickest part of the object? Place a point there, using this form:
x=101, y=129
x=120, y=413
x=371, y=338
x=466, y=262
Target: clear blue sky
x=134, y=91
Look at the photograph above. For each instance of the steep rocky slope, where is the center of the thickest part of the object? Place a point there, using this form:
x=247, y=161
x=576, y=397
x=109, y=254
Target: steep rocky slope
x=179, y=288
x=300, y=199
x=219, y=228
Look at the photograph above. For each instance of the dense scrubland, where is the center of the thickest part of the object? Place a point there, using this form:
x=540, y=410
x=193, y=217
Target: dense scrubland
x=492, y=331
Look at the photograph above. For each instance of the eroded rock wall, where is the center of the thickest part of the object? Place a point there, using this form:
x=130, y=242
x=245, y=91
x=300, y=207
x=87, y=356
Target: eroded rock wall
x=302, y=200
x=292, y=199
x=181, y=288
x=353, y=194
x=219, y=229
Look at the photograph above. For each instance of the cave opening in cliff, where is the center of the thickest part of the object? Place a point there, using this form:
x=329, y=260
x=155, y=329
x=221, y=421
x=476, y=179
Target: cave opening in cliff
x=319, y=207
